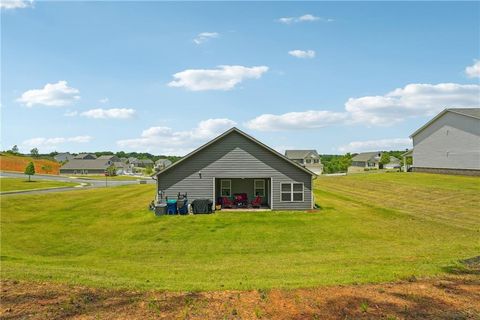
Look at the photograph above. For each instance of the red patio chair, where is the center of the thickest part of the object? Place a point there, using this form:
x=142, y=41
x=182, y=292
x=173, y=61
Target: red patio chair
x=226, y=203
x=241, y=199
x=257, y=202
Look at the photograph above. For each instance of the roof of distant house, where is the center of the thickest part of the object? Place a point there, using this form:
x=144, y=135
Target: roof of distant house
x=107, y=156
x=75, y=164
x=299, y=154
x=84, y=155
x=163, y=162
x=366, y=156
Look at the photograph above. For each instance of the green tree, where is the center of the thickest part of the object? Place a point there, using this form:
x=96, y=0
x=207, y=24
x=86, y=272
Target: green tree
x=34, y=152
x=148, y=170
x=111, y=171
x=15, y=149
x=385, y=158
x=30, y=170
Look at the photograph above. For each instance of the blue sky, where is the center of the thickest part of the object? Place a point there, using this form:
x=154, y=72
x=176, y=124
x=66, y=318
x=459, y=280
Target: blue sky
x=166, y=77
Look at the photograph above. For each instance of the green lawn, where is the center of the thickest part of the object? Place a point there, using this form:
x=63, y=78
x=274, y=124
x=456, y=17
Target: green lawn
x=102, y=177
x=17, y=184
x=371, y=228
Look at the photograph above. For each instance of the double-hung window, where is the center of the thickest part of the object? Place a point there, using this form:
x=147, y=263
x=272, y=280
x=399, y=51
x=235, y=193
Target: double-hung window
x=291, y=192
x=226, y=187
x=259, y=187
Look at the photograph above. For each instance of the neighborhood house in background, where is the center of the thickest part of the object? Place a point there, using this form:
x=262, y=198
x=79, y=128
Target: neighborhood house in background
x=449, y=143
x=161, y=164
x=236, y=168
x=372, y=161
x=88, y=163
x=62, y=157
x=307, y=158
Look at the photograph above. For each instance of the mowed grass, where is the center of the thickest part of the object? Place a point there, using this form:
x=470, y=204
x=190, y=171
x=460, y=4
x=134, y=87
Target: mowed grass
x=107, y=237
x=19, y=184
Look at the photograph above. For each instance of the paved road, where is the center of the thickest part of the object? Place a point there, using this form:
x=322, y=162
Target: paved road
x=89, y=184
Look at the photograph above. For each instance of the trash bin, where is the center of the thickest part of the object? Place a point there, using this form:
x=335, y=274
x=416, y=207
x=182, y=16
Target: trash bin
x=160, y=209
x=171, y=206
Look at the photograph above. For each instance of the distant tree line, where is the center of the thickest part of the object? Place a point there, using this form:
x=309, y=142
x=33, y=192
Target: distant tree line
x=121, y=154
x=333, y=163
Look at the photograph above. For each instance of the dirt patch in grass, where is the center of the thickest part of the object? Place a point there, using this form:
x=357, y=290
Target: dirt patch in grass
x=451, y=297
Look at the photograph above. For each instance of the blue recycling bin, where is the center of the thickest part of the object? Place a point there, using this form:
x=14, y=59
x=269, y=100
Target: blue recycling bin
x=182, y=206
x=171, y=206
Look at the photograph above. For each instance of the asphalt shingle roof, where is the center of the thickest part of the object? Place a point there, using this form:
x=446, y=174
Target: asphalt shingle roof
x=86, y=164
x=298, y=154
x=365, y=156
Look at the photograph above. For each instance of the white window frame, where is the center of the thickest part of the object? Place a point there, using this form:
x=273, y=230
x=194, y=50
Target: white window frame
x=222, y=188
x=292, y=192
x=255, y=187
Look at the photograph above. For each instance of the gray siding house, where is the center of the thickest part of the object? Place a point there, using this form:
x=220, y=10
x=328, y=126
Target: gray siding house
x=310, y=159
x=62, y=157
x=86, y=166
x=449, y=143
x=235, y=162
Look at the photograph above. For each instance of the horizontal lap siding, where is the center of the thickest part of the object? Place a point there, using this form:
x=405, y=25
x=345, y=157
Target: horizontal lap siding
x=234, y=156
x=451, y=142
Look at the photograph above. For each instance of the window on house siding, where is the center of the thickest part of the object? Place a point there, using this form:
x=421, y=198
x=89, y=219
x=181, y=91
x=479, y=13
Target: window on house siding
x=226, y=187
x=315, y=160
x=259, y=186
x=309, y=161
x=291, y=192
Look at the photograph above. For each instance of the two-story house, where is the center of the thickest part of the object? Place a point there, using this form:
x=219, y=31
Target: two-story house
x=310, y=159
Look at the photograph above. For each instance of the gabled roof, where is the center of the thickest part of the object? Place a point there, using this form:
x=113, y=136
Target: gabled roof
x=107, y=156
x=234, y=129
x=85, y=155
x=299, y=154
x=366, y=156
x=163, y=162
x=468, y=112
x=86, y=164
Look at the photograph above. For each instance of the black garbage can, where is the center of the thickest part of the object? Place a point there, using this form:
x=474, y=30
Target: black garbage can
x=160, y=209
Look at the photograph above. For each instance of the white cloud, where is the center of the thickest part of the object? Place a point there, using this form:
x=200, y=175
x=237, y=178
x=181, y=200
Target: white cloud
x=311, y=119
x=51, y=144
x=302, y=53
x=473, y=71
x=222, y=78
x=15, y=4
x=53, y=95
x=304, y=18
x=205, y=36
x=104, y=100
x=113, y=113
x=412, y=100
x=377, y=145
x=166, y=140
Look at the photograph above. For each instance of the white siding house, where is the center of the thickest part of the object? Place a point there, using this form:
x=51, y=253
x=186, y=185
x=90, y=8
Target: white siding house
x=449, y=143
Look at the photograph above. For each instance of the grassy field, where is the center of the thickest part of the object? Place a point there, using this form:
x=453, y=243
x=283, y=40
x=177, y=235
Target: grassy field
x=114, y=178
x=17, y=184
x=371, y=228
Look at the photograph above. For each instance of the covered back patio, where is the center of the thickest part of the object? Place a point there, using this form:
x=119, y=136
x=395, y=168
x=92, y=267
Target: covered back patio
x=243, y=193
